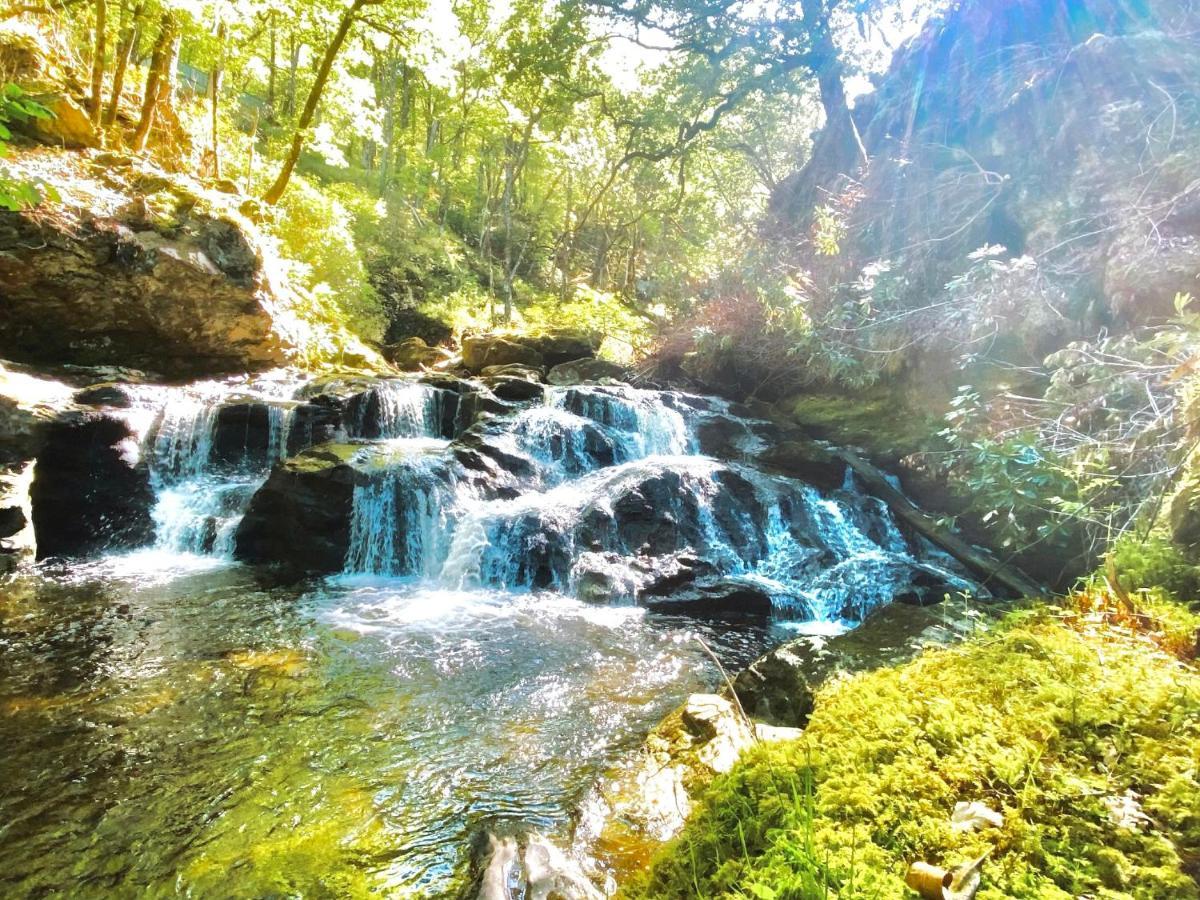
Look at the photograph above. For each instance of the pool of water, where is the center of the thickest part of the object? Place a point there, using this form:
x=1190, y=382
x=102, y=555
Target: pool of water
x=175, y=725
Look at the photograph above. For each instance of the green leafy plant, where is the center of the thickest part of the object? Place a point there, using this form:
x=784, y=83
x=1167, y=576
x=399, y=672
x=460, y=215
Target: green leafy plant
x=16, y=107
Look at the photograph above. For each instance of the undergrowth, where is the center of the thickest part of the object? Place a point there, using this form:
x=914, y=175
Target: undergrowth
x=1077, y=725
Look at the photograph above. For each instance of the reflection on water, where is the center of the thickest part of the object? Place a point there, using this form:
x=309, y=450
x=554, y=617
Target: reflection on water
x=176, y=726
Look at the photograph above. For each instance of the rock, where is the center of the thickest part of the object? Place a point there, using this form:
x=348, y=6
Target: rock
x=648, y=798
x=725, y=597
x=111, y=394
x=515, y=370
x=177, y=286
x=563, y=346
x=805, y=460
x=413, y=354
x=780, y=685
x=483, y=351
x=18, y=542
x=91, y=490
x=300, y=519
x=513, y=389
x=725, y=437
x=68, y=126
x=580, y=371
x=243, y=436
x=525, y=866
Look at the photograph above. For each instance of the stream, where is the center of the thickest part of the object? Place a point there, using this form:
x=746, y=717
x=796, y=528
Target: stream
x=511, y=616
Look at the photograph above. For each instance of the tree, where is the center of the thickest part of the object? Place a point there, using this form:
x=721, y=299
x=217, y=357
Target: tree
x=160, y=80
x=348, y=18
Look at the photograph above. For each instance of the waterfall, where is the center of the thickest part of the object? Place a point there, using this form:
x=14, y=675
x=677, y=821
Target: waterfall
x=397, y=409
x=200, y=498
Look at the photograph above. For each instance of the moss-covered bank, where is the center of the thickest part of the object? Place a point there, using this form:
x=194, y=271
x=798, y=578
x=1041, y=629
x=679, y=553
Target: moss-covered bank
x=1079, y=727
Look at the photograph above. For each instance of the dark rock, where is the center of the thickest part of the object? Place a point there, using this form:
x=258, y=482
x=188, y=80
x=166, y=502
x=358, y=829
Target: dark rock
x=115, y=395
x=242, y=435
x=588, y=369
x=90, y=492
x=316, y=421
x=779, y=686
x=806, y=460
x=300, y=519
x=720, y=598
x=515, y=390
x=723, y=437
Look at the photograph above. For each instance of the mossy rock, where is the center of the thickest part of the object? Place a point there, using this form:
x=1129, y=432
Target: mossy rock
x=879, y=422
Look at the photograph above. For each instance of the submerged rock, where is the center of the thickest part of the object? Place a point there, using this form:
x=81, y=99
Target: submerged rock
x=728, y=597
x=524, y=866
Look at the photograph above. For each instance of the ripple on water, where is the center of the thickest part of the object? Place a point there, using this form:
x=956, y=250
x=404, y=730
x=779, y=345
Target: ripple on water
x=183, y=725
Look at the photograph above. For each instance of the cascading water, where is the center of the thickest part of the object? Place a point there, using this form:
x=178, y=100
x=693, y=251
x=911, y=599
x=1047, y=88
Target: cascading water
x=202, y=489
x=615, y=474
x=355, y=731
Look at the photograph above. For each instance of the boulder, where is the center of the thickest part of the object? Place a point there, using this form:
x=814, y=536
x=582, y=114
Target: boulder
x=156, y=272
x=564, y=345
x=483, y=351
x=413, y=354
x=585, y=370
x=515, y=370
x=300, y=519
x=112, y=394
x=91, y=490
x=242, y=435
x=515, y=389
x=779, y=686
x=806, y=460
x=729, y=597
x=69, y=125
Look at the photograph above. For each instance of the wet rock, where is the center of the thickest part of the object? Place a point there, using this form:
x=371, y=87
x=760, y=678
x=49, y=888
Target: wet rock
x=806, y=460
x=524, y=866
x=724, y=597
x=586, y=370
x=18, y=542
x=111, y=394
x=648, y=798
x=725, y=437
x=413, y=354
x=316, y=421
x=91, y=490
x=300, y=519
x=483, y=351
x=515, y=390
x=242, y=435
x=779, y=687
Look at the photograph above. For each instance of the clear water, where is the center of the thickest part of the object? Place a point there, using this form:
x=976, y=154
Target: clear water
x=176, y=726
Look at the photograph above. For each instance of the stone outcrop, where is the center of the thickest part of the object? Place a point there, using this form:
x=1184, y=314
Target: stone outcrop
x=300, y=519
x=413, y=354
x=135, y=267
x=537, y=351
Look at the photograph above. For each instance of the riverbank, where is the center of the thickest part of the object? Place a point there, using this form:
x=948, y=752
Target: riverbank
x=1073, y=730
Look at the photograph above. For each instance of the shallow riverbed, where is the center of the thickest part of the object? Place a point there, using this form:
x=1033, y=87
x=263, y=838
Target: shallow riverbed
x=178, y=725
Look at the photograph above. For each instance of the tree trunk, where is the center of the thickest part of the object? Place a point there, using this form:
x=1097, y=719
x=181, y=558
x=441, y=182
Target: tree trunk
x=214, y=85
x=156, y=78
x=125, y=52
x=272, y=66
x=98, y=51
x=293, y=66
x=310, y=105
x=990, y=571
x=390, y=75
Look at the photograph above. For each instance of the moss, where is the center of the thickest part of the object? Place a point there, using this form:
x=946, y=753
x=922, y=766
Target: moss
x=1084, y=735
x=868, y=420
x=1154, y=562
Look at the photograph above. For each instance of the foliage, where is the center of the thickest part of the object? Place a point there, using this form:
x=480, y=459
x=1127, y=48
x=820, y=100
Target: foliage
x=1080, y=731
x=17, y=106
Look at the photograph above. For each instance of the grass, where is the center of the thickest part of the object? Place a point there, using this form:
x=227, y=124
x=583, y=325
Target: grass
x=1079, y=725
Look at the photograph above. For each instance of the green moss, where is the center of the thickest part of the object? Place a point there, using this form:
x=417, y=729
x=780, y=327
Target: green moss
x=868, y=420
x=1050, y=725
x=1154, y=562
